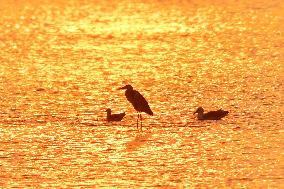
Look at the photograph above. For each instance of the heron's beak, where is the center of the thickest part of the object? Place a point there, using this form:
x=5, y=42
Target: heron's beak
x=195, y=112
x=120, y=88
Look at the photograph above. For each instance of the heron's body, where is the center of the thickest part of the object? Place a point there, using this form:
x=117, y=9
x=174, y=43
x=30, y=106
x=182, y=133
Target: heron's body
x=212, y=115
x=114, y=117
x=139, y=103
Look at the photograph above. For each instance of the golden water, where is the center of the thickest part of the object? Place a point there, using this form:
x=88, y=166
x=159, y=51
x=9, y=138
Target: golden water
x=62, y=61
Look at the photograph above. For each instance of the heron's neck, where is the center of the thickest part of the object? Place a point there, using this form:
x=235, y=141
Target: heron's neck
x=108, y=114
x=129, y=90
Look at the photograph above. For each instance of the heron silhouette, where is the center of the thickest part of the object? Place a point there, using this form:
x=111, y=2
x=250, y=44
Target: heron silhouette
x=114, y=117
x=139, y=103
x=211, y=115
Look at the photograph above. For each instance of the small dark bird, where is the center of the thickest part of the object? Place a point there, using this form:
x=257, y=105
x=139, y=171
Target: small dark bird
x=138, y=101
x=212, y=115
x=114, y=117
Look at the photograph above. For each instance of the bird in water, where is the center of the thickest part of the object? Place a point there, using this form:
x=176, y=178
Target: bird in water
x=212, y=115
x=139, y=103
x=114, y=117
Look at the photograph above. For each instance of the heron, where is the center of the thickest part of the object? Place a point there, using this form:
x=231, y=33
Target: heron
x=211, y=115
x=114, y=117
x=139, y=103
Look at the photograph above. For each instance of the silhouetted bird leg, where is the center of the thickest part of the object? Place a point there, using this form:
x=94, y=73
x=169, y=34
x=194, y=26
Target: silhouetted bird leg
x=141, y=121
x=137, y=119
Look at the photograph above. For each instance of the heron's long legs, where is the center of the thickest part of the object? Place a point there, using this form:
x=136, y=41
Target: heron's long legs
x=139, y=117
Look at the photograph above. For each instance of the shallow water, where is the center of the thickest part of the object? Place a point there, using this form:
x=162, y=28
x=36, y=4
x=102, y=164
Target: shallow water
x=61, y=65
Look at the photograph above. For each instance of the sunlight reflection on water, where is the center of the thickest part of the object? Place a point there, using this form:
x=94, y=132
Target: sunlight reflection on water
x=61, y=65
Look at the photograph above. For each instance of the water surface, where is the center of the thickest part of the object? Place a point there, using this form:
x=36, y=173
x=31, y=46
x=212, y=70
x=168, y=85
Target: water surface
x=61, y=63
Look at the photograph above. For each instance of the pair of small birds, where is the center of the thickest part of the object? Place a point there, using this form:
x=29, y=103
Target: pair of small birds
x=141, y=105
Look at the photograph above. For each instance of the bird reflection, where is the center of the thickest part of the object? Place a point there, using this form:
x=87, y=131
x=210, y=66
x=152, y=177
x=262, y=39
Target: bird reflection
x=139, y=103
x=212, y=115
x=138, y=141
x=114, y=117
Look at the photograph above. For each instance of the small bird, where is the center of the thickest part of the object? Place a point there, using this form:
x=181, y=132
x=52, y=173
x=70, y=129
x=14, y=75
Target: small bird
x=139, y=103
x=114, y=117
x=212, y=115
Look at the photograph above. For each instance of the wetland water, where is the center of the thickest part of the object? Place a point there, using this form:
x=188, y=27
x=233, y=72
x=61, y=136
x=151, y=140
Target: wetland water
x=61, y=65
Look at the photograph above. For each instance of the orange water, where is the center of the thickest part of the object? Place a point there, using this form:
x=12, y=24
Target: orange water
x=62, y=61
